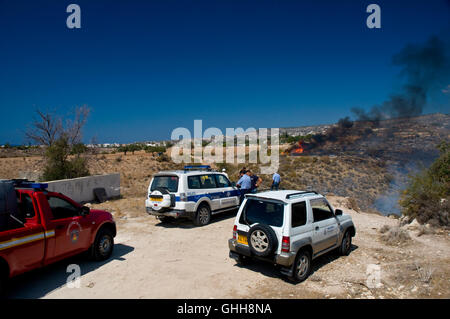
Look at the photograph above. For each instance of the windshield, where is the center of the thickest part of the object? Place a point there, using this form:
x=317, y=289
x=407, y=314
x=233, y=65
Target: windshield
x=262, y=212
x=168, y=182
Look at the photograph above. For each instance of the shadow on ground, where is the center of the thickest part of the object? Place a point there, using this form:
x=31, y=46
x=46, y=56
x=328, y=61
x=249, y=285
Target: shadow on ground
x=269, y=270
x=188, y=224
x=40, y=282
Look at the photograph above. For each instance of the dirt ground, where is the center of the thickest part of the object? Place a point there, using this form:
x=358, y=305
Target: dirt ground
x=178, y=260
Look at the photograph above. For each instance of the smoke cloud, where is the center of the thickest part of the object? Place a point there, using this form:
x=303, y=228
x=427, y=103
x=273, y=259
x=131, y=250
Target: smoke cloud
x=424, y=68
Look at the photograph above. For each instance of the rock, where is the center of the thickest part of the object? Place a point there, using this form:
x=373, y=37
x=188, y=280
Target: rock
x=414, y=289
x=413, y=225
x=91, y=285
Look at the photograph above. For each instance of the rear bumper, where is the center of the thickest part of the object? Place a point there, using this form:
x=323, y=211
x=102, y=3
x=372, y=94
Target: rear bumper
x=283, y=259
x=175, y=213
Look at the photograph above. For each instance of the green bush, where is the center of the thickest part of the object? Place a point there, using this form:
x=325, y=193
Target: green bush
x=155, y=149
x=59, y=165
x=427, y=197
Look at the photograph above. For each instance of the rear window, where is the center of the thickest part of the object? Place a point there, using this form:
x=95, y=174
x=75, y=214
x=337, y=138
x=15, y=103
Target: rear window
x=168, y=182
x=262, y=212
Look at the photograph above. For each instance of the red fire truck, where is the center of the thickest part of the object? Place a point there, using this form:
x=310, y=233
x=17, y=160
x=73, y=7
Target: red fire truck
x=38, y=227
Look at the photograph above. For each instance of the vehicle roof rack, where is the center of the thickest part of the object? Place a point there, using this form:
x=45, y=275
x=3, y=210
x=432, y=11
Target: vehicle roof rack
x=197, y=168
x=288, y=196
x=25, y=183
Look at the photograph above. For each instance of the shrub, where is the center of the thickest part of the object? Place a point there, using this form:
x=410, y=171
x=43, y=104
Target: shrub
x=394, y=235
x=59, y=166
x=428, y=193
x=163, y=158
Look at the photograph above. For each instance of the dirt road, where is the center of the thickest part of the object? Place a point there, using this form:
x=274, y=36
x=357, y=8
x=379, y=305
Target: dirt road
x=155, y=260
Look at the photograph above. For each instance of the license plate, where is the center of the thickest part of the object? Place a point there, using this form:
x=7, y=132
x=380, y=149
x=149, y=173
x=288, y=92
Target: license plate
x=155, y=199
x=242, y=239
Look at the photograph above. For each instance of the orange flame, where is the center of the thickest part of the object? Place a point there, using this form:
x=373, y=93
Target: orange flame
x=299, y=149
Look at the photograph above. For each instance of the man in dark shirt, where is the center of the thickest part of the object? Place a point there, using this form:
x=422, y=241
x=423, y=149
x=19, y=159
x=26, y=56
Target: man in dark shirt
x=256, y=181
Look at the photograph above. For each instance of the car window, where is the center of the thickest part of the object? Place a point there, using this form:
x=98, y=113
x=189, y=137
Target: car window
x=193, y=182
x=62, y=208
x=208, y=181
x=262, y=212
x=321, y=209
x=169, y=182
x=26, y=206
x=298, y=214
x=222, y=181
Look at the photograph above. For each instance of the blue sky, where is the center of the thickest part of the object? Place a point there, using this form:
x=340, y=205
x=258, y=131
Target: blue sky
x=147, y=67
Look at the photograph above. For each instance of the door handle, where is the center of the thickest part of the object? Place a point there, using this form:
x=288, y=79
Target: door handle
x=317, y=228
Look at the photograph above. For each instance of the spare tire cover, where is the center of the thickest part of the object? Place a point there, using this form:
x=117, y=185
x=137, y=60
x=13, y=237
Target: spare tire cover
x=262, y=240
x=160, y=199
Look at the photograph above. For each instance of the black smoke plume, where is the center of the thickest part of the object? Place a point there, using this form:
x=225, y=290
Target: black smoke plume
x=424, y=67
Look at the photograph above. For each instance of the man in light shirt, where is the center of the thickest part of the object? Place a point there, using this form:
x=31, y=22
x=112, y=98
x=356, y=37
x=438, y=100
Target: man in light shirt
x=276, y=179
x=245, y=185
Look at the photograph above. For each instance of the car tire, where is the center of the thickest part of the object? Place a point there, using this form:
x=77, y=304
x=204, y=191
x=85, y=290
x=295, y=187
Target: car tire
x=203, y=215
x=302, y=266
x=103, y=245
x=346, y=245
x=262, y=240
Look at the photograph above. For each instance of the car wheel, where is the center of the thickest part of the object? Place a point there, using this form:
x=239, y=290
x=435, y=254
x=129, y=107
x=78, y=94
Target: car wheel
x=103, y=245
x=203, y=215
x=302, y=266
x=346, y=244
x=262, y=240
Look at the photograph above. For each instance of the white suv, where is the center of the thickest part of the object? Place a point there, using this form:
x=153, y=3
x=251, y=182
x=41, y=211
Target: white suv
x=196, y=192
x=289, y=228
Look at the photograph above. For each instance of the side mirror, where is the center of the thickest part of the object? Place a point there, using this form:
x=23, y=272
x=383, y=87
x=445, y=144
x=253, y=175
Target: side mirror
x=85, y=211
x=233, y=184
x=338, y=212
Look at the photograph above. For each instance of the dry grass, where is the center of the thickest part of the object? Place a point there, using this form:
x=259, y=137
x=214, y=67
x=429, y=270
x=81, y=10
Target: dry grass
x=394, y=235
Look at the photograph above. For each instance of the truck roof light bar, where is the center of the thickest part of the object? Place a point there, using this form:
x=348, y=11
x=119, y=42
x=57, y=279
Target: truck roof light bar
x=197, y=168
x=24, y=183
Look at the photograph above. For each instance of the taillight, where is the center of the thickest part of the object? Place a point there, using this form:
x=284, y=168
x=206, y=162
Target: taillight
x=235, y=232
x=286, y=244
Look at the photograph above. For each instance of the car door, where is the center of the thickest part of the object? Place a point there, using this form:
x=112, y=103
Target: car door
x=325, y=227
x=300, y=228
x=72, y=231
x=24, y=246
x=209, y=187
x=229, y=196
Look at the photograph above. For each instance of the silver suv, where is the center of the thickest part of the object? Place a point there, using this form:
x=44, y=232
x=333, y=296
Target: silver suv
x=289, y=228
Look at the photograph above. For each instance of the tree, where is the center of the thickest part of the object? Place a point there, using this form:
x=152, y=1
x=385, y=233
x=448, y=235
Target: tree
x=63, y=144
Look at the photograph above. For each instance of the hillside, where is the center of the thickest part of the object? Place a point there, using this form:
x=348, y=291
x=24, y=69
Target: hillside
x=368, y=162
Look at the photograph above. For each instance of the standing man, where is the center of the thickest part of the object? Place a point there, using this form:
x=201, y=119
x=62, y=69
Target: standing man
x=242, y=172
x=276, y=179
x=245, y=185
x=256, y=181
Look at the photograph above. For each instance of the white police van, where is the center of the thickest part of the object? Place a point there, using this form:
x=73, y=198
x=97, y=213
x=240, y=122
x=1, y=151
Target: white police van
x=196, y=192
